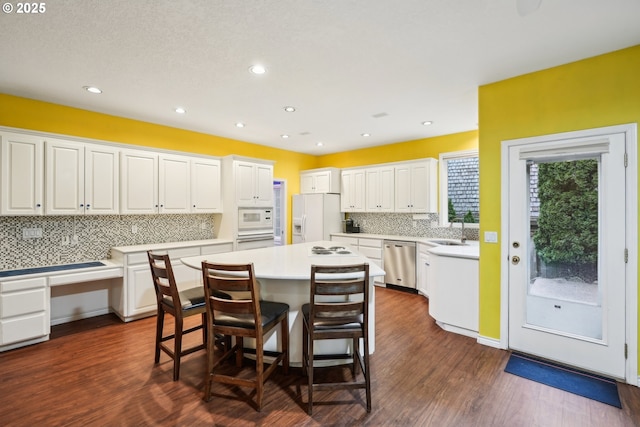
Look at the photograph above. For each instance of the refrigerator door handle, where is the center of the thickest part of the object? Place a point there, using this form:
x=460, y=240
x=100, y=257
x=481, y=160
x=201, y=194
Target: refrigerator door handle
x=303, y=228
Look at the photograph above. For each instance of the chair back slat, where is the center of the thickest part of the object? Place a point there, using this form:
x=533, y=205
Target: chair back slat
x=222, y=281
x=339, y=294
x=164, y=281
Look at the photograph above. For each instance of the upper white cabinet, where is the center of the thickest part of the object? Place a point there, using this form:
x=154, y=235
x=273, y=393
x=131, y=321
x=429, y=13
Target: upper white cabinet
x=80, y=178
x=325, y=180
x=21, y=179
x=353, y=190
x=206, y=194
x=139, y=182
x=253, y=183
x=380, y=189
x=416, y=187
x=174, y=185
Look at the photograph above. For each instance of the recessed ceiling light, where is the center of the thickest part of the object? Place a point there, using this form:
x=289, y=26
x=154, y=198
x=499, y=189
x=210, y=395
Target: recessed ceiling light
x=92, y=89
x=365, y=134
x=180, y=110
x=257, y=69
x=289, y=109
x=319, y=144
x=284, y=136
x=239, y=125
x=427, y=123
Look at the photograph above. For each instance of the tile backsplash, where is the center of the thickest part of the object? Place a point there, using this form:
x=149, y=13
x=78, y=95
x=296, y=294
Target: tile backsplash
x=404, y=225
x=96, y=236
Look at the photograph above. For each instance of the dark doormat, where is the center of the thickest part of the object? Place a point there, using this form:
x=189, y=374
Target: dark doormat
x=585, y=384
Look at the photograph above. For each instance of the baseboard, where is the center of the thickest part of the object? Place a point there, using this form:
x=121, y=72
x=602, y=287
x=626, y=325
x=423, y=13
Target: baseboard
x=80, y=316
x=490, y=342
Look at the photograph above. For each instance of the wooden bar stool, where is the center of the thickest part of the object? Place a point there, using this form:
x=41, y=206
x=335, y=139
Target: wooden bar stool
x=234, y=309
x=338, y=309
x=179, y=304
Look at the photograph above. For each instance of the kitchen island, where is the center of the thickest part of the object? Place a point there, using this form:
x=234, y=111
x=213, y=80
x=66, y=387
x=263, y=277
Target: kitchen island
x=284, y=273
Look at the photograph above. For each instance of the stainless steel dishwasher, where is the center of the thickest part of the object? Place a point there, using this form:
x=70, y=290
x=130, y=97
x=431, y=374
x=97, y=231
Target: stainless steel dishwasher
x=399, y=260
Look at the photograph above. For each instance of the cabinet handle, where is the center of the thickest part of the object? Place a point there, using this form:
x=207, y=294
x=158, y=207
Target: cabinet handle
x=88, y=206
x=38, y=205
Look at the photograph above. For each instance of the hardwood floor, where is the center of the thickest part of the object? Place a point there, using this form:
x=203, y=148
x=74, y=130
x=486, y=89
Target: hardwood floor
x=100, y=372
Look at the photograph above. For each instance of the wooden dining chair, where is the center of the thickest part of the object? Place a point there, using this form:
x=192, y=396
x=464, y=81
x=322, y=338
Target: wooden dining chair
x=338, y=308
x=234, y=309
x=179, y=304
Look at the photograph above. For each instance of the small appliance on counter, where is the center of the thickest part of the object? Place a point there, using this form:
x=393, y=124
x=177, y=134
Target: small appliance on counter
x=350, y=227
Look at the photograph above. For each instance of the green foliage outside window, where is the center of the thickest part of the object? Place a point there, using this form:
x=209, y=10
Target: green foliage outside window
x=452, y=211
x=568, y=222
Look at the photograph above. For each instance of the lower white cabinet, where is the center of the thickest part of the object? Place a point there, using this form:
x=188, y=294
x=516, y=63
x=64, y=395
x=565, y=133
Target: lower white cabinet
x=369, y=247
x=24, y=312
x=422, y=269
x=137, y=297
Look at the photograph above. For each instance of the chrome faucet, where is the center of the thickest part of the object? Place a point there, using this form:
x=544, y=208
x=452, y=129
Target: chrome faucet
x=460, y=220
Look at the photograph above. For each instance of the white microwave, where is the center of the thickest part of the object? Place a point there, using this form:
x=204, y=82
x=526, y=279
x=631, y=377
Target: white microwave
x=255, y=218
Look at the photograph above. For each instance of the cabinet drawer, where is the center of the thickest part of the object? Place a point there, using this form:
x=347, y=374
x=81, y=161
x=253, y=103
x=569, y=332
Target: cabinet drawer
x=18, y=303
x=176, y=254
x=374, y=253
x=137, y=258
x=23, y=284
x=345, y=239
x=216, y=249
x=23, y=328
x=370, y=243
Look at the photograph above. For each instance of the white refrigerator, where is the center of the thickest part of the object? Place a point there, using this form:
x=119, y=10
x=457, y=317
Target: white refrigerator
x=315, y=217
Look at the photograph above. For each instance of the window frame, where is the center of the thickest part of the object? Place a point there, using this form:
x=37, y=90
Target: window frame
x=444, y=186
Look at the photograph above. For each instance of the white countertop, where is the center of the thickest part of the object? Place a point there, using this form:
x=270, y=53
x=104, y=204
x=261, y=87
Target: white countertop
x=289, y=262
x=470, y=250
x=169, y=245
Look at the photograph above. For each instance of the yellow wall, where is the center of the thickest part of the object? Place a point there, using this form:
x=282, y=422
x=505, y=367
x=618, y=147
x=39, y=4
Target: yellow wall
x=596, y=92
x=420, y=148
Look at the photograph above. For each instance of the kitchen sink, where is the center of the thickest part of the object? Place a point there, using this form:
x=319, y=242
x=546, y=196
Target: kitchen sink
x=447, y=242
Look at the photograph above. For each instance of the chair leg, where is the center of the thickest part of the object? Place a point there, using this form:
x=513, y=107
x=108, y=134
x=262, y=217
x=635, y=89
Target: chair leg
x=159, y=325
x=284, y=329
x=259, y=371
x=239, y=351
x=305, y=347
x=211, y=346
x=367, y=376
x=177, y=352
x=205, y=328
x=310, y=375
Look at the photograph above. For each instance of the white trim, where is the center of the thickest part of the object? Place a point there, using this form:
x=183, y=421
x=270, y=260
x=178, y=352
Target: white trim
x=443, y=201
x=490, y=342
x=631, y=140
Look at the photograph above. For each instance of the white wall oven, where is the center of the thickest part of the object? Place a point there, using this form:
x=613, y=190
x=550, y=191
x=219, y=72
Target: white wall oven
x=255, y=228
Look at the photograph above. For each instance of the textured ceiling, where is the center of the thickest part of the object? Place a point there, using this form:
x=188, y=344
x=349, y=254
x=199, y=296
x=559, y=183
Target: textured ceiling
x=348, y=66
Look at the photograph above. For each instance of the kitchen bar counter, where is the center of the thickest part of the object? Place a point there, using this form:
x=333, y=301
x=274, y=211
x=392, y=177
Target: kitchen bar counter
x=173, y=245
x=471, y=248
x=284, y=273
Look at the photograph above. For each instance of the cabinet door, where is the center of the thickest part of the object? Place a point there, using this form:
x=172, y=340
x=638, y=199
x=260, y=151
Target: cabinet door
x=64, y=178
x=379, y=188
x=372, y=199
x=138, y=182
x=245, y=177
x=24, y=310
x=307, y=183
x=403, y=188
x=423, y=272
x=264, y=185
x=101, y=180
x=206, y=192
x=21, y=179
x=420, y=188
x=174, y=185
x=322, y=182
x=141, y=295
x=353, y=191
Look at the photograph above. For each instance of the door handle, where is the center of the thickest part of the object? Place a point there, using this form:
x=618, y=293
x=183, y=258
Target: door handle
x=515, y=259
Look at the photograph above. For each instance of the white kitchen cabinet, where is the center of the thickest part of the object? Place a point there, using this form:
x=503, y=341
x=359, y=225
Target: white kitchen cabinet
x=352, y=197
x=454, y=294
x=325, y=180
x=253, y=184
x=24, y=315
x=138, y=182
x=80, y=178
x=206, y=186
x=380, y=189
x=174, y=184
x=422, y=269
x=416, y=187
x=21, y=179
x=137, y=296
x=372, y=249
